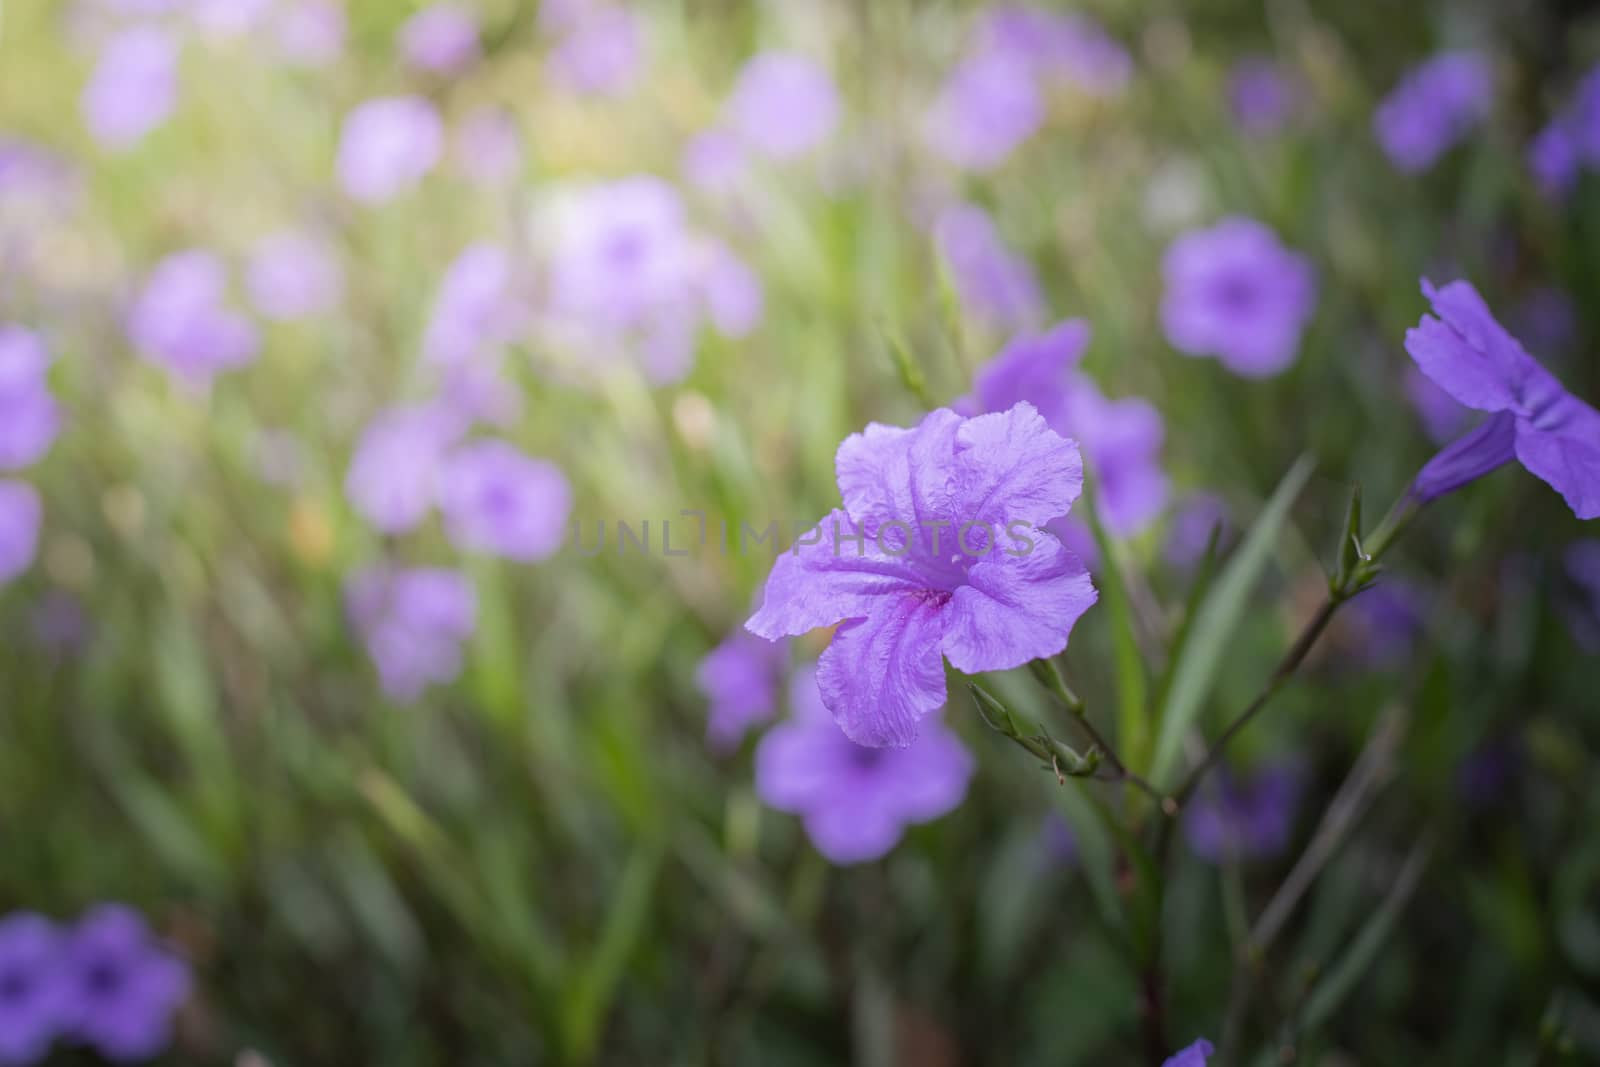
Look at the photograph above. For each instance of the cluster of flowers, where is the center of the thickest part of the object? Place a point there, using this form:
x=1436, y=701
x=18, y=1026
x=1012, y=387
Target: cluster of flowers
x=106, y=983
x=899, y=616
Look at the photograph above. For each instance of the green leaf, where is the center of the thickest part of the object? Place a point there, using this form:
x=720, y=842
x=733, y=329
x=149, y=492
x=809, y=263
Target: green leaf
x=1195, y=670
x=589, y=997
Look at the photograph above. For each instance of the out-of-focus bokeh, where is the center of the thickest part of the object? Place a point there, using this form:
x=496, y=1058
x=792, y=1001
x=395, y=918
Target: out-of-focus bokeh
x=402, y=405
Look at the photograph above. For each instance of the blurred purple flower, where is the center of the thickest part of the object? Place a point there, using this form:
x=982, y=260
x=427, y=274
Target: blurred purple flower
x=1077, y=538
x=413, y=623
x=994, y=284
x=1441, y=416
x=1260, y=96
x=179, y=321
x=600, y=52
x=1192, y=524
x=442, y=38
x=21, y=513
x=735, y=300
x=987, y=107
x=133, y=89
x=29, y=416
x=30, y=987
x=488, y=147
x=906, y=601
x=495, y=499
x=783, y=105
x=1435, y=106
x=1195, y=1055
x=228, y=19
x=1388, y=620
x=713, y=160
x=295, y=275
x=1244, y=818
x=311, y=33
x=856, y=802
x=121, y=987
x=1554, y=160
x=1534, y=419
x=1547, y=317
x=1582, y=560
x=393, y=475
x=387, y=146
x=1068, y=44
x=1059, y=842
x=740, y=679
x=1234, y=292
x=1570, y=142
x=625, y=275
x=477, y=310
x=1121, y=439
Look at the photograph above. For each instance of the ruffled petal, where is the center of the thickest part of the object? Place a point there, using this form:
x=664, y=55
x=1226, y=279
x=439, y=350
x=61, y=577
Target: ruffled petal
x=818, y=582
x=1010, y=467
x=1014, y=609
x=883, y=673
x=1570, y=464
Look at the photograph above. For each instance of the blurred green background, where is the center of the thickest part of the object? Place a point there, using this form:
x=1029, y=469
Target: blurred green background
x=543, y=862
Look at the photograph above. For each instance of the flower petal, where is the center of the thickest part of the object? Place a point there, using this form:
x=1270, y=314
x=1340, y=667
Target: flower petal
x=1010, y=467
x=847, y=833
x=1570, y=464
x=883, y=673
x=890, y=474
x=1486, y=448
x=936, y=780
x=1465, y=351
x=1014, y=609
x=797, y=766
x=817, y=583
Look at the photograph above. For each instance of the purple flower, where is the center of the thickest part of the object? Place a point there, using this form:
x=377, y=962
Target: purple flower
x=601, y=52
x=30, y=987
x=476, y=310
x=133, y=88
x=1441, y=416
x=987, y=107
x=930, y=577
x=393, y=475
x=495, y=499
x=295, y=275
x=1433, y=108
x=1582, y=561
x=488, y=147
x=856, y=801
x=413, y=623
x=783, y=105
x=1388, y=619
x=1071, y=45
x=713, y=160
x=1554, y=160
x=121, y=987
x=735, y=300
x=740, y=679
x=1244, y=817
x=1234, y=292
x=60, y=627
x=311, y=33
x=1191, y=529
x=442, y=38
x=1259, y=95
x=29, y=417
x=1195, y=1055
x=388, y=145
x=179, y=321
x=1533, y=418
x=21, y=513
x=1121, y=439
x=624, y=277
x=993, y=283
